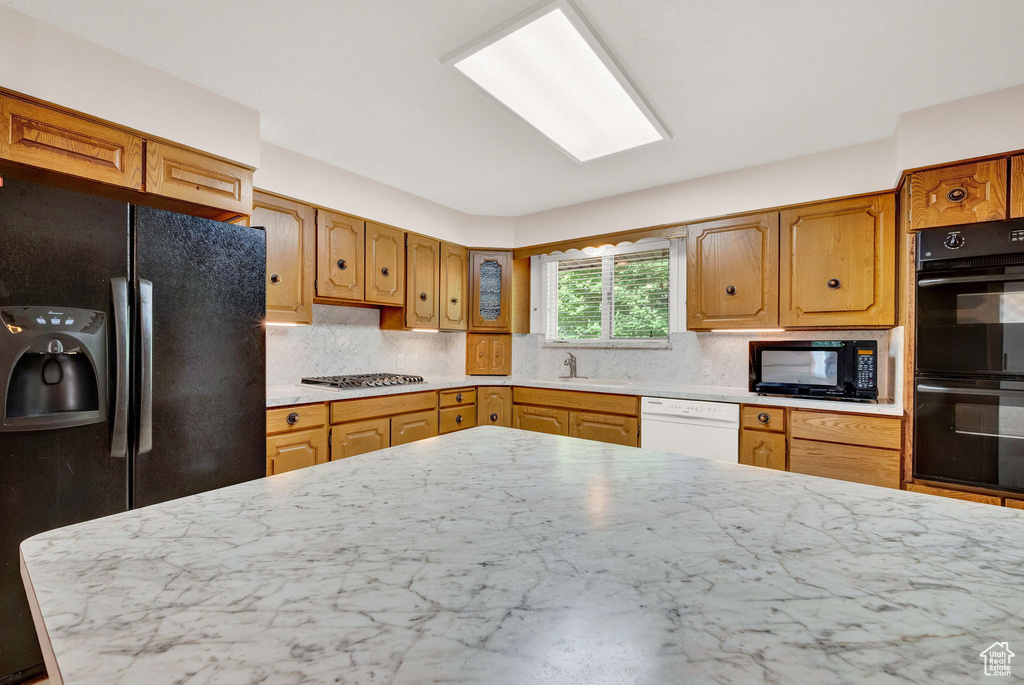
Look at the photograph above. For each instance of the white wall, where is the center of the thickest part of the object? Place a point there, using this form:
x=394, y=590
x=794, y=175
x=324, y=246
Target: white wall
x=310, y=180
x=43, y=61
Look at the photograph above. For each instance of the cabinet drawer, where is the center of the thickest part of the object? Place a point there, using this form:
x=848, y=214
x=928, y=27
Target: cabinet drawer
x=49, y=139
x=388, y=405
x=359, y=437
x=845, y=462
x=851, y=429
x=193, y=177
x=296, y=418
x=587, y=401
x=291, y=451
x=412, y=427
x=456, y=398
x=961, y=194
x=956, y=494
x=457, y=418
x=763, y=418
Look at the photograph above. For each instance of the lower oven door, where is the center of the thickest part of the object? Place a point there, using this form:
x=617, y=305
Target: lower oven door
x=970, y=432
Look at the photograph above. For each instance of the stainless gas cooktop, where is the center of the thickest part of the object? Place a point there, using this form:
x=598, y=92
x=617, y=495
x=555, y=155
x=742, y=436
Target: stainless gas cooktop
x=363, y=380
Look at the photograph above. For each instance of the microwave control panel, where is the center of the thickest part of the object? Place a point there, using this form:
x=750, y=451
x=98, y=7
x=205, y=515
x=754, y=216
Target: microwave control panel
x=864, y=369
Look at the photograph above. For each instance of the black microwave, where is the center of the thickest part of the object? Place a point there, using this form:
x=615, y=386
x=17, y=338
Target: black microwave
x=828, y=369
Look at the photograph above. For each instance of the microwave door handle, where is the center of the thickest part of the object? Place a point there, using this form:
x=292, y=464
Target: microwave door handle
x=952, y=280
x=947, y=390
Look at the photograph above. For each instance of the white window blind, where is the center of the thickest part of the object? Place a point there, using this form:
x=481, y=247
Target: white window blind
x=623, y=294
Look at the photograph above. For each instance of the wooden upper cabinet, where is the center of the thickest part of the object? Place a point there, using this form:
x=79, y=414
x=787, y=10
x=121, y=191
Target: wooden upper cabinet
x=291, y=253
x=488, y=354
x=385, y=264
x=490, y=291
x=339, y=248
x=423, y=275
x=732, y=274
x=196, y=178
x=49, y=139
x=453, y=301
x=838, y=263
x=961, y=194
x=1017, y=187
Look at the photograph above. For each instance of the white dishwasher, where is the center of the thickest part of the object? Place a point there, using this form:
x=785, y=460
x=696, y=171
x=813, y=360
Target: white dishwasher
x=699, y=429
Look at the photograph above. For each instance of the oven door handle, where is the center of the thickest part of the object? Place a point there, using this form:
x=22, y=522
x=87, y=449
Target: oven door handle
x=950, y=280
x=947, y=390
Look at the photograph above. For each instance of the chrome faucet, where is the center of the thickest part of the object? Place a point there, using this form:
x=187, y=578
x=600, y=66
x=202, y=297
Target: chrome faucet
x=571, y=363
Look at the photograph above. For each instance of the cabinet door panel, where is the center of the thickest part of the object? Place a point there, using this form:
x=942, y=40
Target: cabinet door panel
x=490, y=291
x=340, y=262
x=1017, y=188
x=423, y=275
x=838, y=263
x=618, y=430
x=845, y=462
x=541, y=419
x=453, y=301
x=411, y=427
x=733, y=273
x=290, y=451
x=494, y=407
x=961, y=194
x=291, y=250
x=764, y=449
x=385, y=264
x=359, y=437
x=488, y=355
x=194, y=177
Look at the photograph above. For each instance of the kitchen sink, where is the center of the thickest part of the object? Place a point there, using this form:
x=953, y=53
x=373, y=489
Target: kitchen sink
x=597, y=381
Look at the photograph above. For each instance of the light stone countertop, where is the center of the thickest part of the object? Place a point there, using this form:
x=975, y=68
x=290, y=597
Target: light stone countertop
x=285, y=395
x=500, y=556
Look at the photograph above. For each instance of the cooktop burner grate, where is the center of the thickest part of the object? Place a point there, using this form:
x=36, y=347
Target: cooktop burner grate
x=363, y=380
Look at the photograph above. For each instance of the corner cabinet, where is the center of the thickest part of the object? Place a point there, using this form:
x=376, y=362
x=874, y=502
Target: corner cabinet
x=494, y=406
x=732, y=273
x=340, y=247
x=488, y=354
x=838, y=264
x=385, y=265
x=454, y=307
x=291, y=254
x=490, y=291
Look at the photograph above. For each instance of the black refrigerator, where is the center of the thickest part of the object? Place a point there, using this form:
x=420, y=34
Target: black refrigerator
x=132, y=369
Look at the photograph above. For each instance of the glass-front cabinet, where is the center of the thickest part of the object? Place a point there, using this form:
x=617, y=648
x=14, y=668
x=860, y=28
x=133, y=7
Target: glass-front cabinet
x=490, y=281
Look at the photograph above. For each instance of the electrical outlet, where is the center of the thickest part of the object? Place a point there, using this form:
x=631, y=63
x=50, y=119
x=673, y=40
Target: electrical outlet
x=399, y=362
x=705, y=367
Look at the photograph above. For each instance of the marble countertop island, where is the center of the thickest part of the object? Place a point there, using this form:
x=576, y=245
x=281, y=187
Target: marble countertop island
x=500, y=556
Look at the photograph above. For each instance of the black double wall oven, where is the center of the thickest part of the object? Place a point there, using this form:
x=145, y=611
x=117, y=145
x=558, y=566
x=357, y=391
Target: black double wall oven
x=969, y=369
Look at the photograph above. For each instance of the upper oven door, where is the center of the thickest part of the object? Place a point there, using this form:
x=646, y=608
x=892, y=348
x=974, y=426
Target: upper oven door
x=971, y=321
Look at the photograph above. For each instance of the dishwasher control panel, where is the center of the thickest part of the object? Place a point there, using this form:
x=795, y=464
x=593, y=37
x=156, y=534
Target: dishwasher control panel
x=720, y=411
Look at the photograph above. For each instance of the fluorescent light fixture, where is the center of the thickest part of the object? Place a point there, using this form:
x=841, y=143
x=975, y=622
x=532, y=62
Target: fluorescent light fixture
x=748, y=330
x=425, y=330
x=282, y=323
x=549, y=68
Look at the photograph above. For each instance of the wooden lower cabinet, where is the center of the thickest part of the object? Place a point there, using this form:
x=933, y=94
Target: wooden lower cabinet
x=453, y=419
x=412, y=427
x=1014, y=503
x=618, y=430
x=541, y=419
x=763, y=448
x=296, y=450
x=494, y=407
x=855, y=463
x=957, y=494
x=359, y=437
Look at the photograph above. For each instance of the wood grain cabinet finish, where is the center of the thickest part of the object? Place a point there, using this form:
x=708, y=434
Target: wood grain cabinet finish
x=541, y=419
x=302, y=417
x=838, y=264
x=853, y=463
x=408, y=428
x=49, y=139
x=628, y=405
x=359, y=437
x=340, y=245
x=343, y=411
x=423, y=276
x=1016, y=190
x=956, y=494
x=955, y=195
x=454, y=304
x=494, y=407
x=1014, y=503
x=611, y=428
x=488, y=354
x=459, y=397
x=290, y=451
x=490, y=291
x=454, y=419
x=291, y=255
x=763, y=448
x=196, y=178
x=763, y=418
x=857, y=429
x=385, y=264
x=732, y=274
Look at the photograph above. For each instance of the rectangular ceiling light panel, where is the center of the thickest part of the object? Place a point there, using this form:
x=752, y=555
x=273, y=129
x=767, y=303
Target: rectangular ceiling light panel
x=554, y=73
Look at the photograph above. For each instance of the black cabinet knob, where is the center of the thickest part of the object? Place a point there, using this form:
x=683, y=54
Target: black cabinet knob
x=957, y=194
x=494, y=417
x=458, y=398
x=342, y=264
x=423, y=296
x=293, y=419
x=275, y=279
x=458, y=419
x=764, y=418
x=730, y=290
x=386, y=271
x=455, y=300
x=833, y=283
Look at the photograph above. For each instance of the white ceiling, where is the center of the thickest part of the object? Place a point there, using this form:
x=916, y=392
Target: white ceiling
x=359, y=83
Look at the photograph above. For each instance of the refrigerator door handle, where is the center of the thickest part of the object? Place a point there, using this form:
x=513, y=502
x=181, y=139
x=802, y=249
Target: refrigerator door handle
x=119, y=438
x=146, y=376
